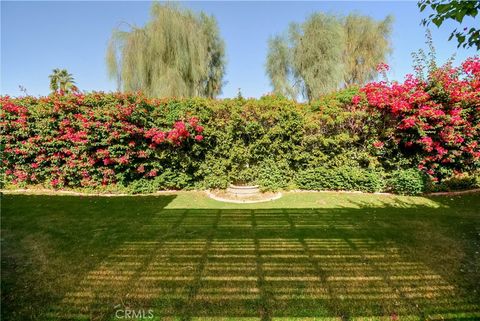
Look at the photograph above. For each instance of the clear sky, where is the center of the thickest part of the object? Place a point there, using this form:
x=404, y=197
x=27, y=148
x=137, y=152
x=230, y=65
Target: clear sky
x=39, y=36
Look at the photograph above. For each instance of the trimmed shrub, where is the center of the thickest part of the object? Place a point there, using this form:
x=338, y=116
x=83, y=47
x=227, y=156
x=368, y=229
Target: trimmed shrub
x=407, y=182
x=274, y=175
x=341, y=178
x=456, y=183
x=94, y=140
x=167, y=180
x=143, y=186
x=129, y=142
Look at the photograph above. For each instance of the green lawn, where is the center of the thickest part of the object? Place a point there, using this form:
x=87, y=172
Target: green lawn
x=307, y=256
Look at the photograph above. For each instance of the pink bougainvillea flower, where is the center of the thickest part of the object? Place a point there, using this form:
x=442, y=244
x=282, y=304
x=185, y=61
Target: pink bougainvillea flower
x=356, y=99
x=382, y=67
x=193, y=121
x=107, y=161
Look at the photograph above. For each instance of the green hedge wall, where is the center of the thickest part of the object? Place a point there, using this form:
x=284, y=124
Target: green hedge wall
x=130, y=143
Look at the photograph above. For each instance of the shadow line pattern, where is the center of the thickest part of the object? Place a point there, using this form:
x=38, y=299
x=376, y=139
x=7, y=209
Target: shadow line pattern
x=272, y=264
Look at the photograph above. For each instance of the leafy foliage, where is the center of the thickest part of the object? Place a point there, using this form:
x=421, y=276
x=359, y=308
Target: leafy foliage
x=354, y=139
x=454, y=10
x=407, y=182
x=279, y=68
x=435, y=121
x=458, y=182
x=90, y=140
x=317, y=54
x=62, y=80
x=325, y=52
x=177, y=53
x=367, y=44
x=340, y=178
x=96, y=140
x=274, y=175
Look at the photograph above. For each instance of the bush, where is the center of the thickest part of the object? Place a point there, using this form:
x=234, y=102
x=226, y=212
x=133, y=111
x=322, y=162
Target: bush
x=143, y=186
x=167, y=180
x=407, y=182
x=274, y=175
x=456, y=183
x=435, y=121
x=121, y=141
x=341, y=178
x=214, y=172
x=94, y=140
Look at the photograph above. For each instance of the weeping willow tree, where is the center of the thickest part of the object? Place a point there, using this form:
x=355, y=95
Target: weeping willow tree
x=279, y=68
x=177, y=53
x=326, y=52
x=367, y=44
x=317, y=45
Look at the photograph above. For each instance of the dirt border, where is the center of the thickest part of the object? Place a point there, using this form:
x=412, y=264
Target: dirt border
x=468, y=191
x=45, y=191
x=334, y=191
x=50, y=192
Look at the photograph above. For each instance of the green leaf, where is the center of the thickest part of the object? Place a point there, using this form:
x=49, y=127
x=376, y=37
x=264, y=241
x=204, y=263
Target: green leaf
x=442, y=8
x=459, y=16
x=437, y=22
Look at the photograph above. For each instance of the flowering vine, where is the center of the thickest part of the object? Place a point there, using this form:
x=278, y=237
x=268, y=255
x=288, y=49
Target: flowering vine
x=86, y=140
x=436, y=119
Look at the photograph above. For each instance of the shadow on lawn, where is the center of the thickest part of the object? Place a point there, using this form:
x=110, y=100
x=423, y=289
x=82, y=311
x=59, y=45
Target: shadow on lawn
x=280, y=264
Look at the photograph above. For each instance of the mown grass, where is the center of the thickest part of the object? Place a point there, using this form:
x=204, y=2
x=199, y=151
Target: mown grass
x=307, y=256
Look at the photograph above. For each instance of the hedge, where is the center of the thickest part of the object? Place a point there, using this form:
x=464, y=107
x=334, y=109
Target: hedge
x=127, y=142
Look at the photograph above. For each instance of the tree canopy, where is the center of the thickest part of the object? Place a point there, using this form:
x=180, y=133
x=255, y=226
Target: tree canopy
x=61, y=79
x=326, y=52
x=367, y=44
x=177, y=53
x=454, y=10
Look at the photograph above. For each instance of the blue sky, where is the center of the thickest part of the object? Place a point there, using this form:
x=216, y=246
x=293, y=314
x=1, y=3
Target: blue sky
x=39, y=36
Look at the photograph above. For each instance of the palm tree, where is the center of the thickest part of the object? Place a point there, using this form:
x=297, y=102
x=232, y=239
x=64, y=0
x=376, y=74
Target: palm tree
x=62, y=80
